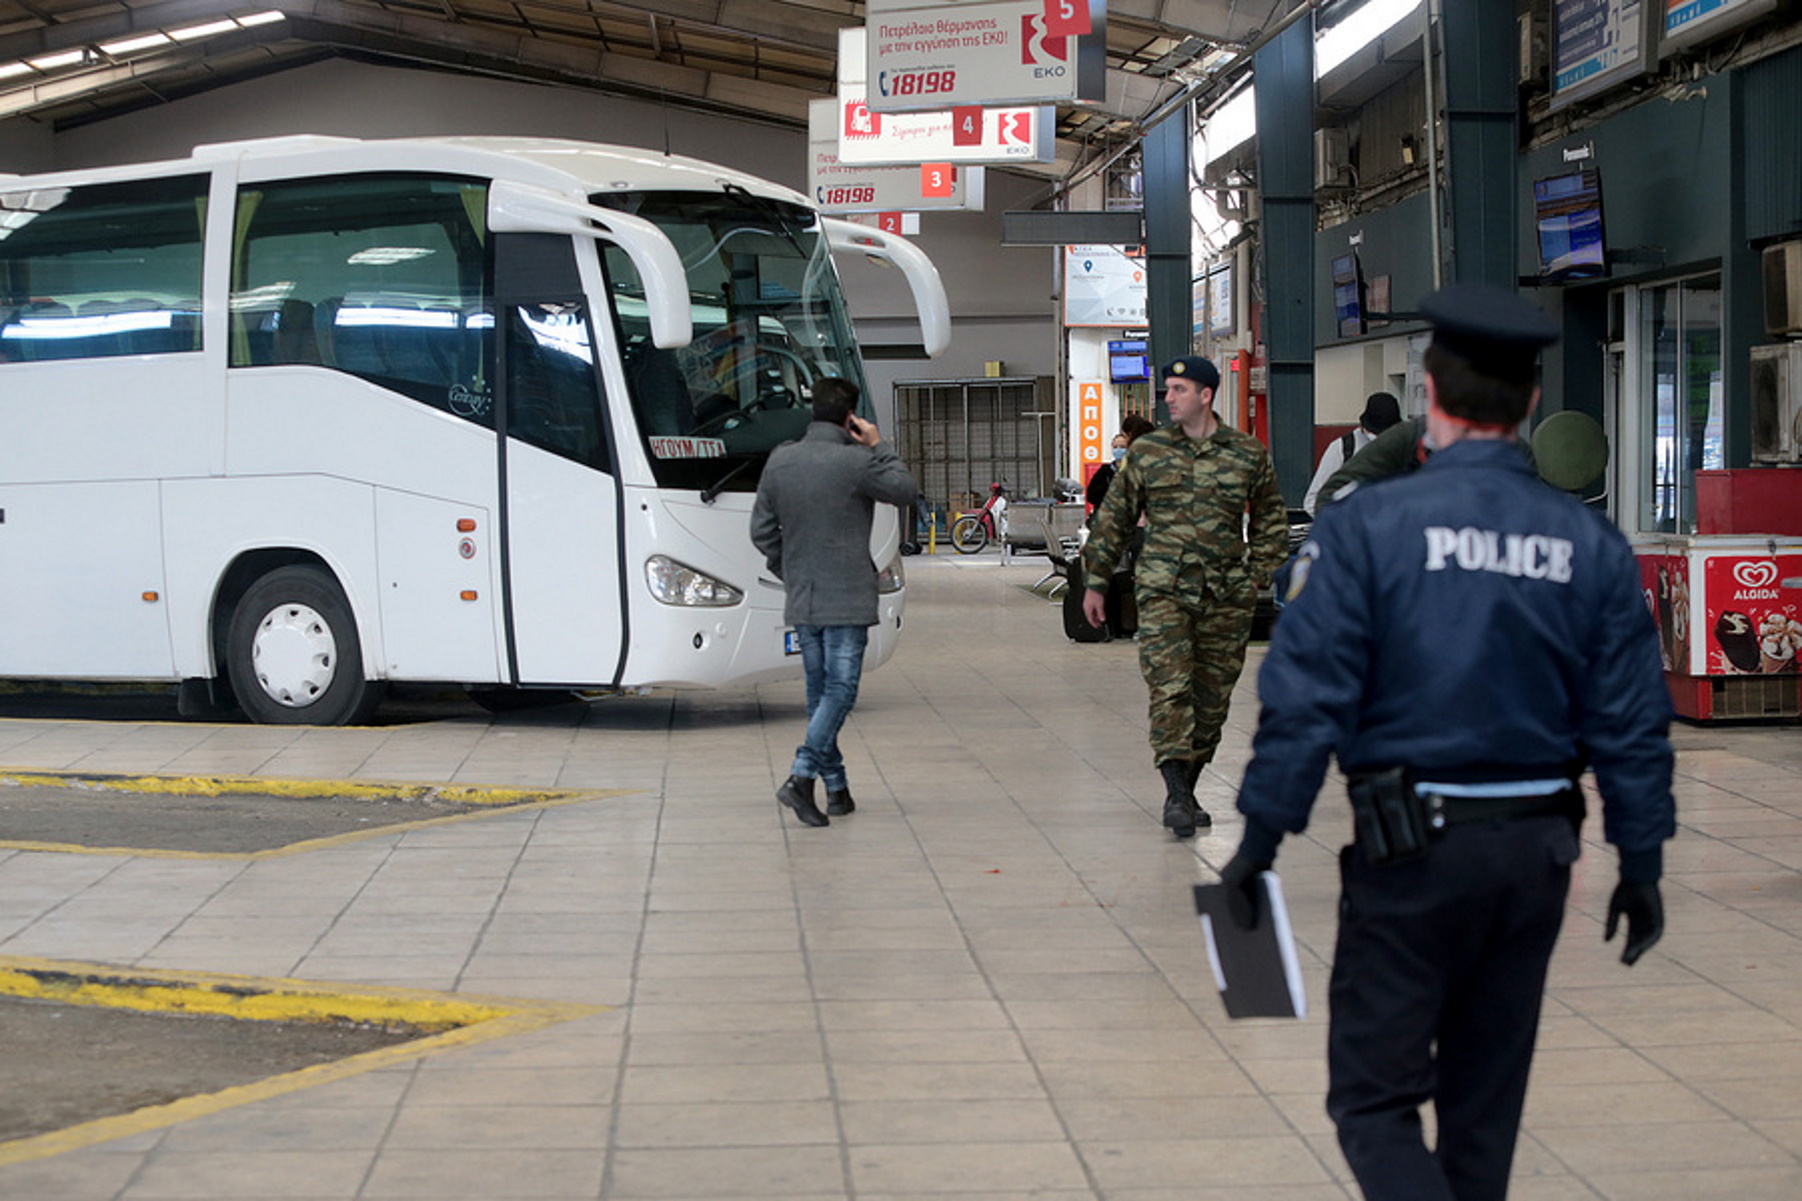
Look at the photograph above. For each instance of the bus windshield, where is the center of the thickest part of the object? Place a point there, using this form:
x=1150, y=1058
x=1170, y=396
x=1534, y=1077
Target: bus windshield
x=769, y=320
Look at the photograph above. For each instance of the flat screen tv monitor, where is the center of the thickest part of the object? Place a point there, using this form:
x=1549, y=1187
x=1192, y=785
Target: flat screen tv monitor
x=1348, y=295
x=1128, y=361
x=1567, y=210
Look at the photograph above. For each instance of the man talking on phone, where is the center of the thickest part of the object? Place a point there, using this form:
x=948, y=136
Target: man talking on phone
x=812, y=521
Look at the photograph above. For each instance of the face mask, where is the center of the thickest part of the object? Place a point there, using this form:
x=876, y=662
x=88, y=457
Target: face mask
x=1119, y=453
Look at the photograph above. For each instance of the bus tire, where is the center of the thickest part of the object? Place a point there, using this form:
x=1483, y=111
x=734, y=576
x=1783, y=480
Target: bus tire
x=293, y=655
x=969, y=535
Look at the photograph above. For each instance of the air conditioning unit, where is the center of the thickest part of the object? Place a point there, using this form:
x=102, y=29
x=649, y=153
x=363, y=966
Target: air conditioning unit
x=1783, y=289
x=1332, y=157
x=1777, y=402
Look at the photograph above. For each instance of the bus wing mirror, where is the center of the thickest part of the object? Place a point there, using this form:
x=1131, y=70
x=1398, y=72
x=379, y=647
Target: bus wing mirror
x=922, y=276
x=522, y=208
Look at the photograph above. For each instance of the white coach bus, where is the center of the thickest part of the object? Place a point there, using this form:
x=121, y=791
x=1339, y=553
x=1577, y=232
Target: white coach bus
x=290, y=419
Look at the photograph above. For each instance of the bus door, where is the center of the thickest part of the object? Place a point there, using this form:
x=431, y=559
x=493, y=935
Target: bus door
x=561, y=542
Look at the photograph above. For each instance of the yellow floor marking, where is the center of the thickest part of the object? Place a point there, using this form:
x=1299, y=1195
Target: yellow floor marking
x=446, y=1020
x=511, y=799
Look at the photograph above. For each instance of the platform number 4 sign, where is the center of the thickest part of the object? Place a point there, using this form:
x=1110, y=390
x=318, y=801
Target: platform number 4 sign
x=936, y=179
x=966, y=125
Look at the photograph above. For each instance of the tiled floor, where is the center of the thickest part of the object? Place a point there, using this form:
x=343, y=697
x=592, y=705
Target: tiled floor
x=986, y=983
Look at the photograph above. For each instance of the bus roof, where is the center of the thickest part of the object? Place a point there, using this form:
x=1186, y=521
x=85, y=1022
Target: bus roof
x=591, y=166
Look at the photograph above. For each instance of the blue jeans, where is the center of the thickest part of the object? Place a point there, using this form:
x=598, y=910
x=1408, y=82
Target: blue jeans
x=832, y=657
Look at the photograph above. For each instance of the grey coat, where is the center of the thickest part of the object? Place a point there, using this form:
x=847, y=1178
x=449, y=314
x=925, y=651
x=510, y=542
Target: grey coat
x=812, y=522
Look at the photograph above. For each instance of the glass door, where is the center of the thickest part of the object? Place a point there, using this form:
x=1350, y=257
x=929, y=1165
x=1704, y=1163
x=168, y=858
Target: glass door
x=1680, y=399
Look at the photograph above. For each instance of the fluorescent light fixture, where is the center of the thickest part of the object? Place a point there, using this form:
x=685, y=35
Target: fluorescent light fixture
x=1231, y=124
x=51, y=62
x=261, y=19
x=8, y=70
x=211, y=29
x=382, y=255
x=1333, y=46
x=133, y=45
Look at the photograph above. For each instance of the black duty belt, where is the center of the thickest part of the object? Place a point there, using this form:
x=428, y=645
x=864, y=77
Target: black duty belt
x=1443, y=811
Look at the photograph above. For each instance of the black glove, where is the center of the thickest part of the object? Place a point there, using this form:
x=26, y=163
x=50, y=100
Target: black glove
x=1643, y=908
x=1240, y=875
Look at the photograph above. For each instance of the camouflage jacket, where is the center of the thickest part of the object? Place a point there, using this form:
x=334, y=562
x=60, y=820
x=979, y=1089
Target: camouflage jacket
x=1194, y=495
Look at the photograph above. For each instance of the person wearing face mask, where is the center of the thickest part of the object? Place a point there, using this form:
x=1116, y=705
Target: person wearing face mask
x=1130, y=429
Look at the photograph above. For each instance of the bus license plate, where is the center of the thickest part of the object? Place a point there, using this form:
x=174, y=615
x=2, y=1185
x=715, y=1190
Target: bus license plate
x=791, y=642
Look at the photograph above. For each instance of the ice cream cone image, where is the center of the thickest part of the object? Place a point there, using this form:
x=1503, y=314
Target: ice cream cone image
x=1779, y=638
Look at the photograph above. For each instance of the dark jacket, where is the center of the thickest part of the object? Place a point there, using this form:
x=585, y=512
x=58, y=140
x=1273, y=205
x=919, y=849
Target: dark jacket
x=1470, y=622
x=812, y=522
x=1396, y=451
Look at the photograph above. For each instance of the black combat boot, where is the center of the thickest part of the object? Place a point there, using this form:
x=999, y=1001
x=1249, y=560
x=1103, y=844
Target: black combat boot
x=1180, y=809
x=1202, y=820
x=839, y=802
x=797, y=793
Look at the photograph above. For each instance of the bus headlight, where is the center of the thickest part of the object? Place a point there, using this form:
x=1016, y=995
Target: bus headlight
x=891, y=578
x=676, y=583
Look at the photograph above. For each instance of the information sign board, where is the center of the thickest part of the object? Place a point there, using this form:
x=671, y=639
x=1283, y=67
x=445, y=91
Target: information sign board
x=923, y=55
x=840, y=187
x=1104, y=285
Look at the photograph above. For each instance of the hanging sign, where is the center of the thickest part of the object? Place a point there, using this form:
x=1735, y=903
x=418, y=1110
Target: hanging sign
x=1104, y=285
x=961, y=134
x=840, y=187
x=923, y=55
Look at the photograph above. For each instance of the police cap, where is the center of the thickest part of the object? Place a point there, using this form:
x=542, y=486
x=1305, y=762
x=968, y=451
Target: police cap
x=1194, y=367
x=1491, y=328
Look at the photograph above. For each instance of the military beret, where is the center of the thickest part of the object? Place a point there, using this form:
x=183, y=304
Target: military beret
x=1491, y=328
x=1196, y=368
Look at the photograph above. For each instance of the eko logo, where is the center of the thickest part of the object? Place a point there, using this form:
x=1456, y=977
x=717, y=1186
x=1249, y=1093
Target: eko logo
x=1755, y=573
x=1036, y=47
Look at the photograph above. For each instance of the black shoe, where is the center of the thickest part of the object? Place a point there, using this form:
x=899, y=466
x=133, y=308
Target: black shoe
x=797, y=793
x=1179, y=817
x=1181, y=814
x=839, y=802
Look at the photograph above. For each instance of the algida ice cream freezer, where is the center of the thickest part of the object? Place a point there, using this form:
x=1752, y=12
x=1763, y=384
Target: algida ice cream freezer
x=1729, y=613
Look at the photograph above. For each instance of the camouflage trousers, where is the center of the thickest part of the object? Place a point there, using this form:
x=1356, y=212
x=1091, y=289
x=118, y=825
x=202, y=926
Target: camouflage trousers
x=1190, y=655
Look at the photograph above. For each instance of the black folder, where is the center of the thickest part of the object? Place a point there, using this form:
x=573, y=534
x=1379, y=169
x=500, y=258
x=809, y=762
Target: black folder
x=1257, y=970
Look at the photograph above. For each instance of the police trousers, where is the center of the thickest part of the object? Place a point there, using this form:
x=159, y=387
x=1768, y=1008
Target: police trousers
x=1191, y=653
x=1437, y=980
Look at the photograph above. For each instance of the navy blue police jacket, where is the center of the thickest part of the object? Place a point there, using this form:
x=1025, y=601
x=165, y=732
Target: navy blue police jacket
x=1471, y=623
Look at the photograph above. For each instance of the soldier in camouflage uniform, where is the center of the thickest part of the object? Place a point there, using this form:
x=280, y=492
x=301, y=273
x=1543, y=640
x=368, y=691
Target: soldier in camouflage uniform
x=1197, y=575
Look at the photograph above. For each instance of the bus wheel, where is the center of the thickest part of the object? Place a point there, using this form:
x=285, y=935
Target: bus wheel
x=292, y=652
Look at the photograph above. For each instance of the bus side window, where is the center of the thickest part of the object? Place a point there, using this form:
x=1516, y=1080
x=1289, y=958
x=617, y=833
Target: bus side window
x=393, y=270
x=101, y=271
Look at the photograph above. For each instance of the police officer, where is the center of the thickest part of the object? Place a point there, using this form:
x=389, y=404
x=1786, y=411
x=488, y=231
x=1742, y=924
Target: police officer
x=1466, y=640
x=1196, y=588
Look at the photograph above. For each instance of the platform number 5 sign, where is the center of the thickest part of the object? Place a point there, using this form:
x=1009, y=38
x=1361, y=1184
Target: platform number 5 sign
x=1066, y=18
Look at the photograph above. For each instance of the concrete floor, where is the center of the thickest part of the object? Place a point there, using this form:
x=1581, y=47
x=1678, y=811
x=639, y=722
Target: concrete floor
x=987, y=983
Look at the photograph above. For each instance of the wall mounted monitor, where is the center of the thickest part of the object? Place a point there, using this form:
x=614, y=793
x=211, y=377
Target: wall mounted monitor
x=1567, y=212
x=1348, y=295
x=1128, y=361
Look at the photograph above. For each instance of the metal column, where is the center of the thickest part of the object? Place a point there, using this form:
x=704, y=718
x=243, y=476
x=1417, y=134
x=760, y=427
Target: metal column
x=1481, y=140
x=1284, y=74
x=1165, y=162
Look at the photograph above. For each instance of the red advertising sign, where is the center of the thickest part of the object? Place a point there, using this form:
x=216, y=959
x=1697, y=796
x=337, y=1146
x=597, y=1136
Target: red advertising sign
x=1664, y=579
x=1754, y=623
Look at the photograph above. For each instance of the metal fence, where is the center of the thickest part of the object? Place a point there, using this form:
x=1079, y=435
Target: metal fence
x=959, y=436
